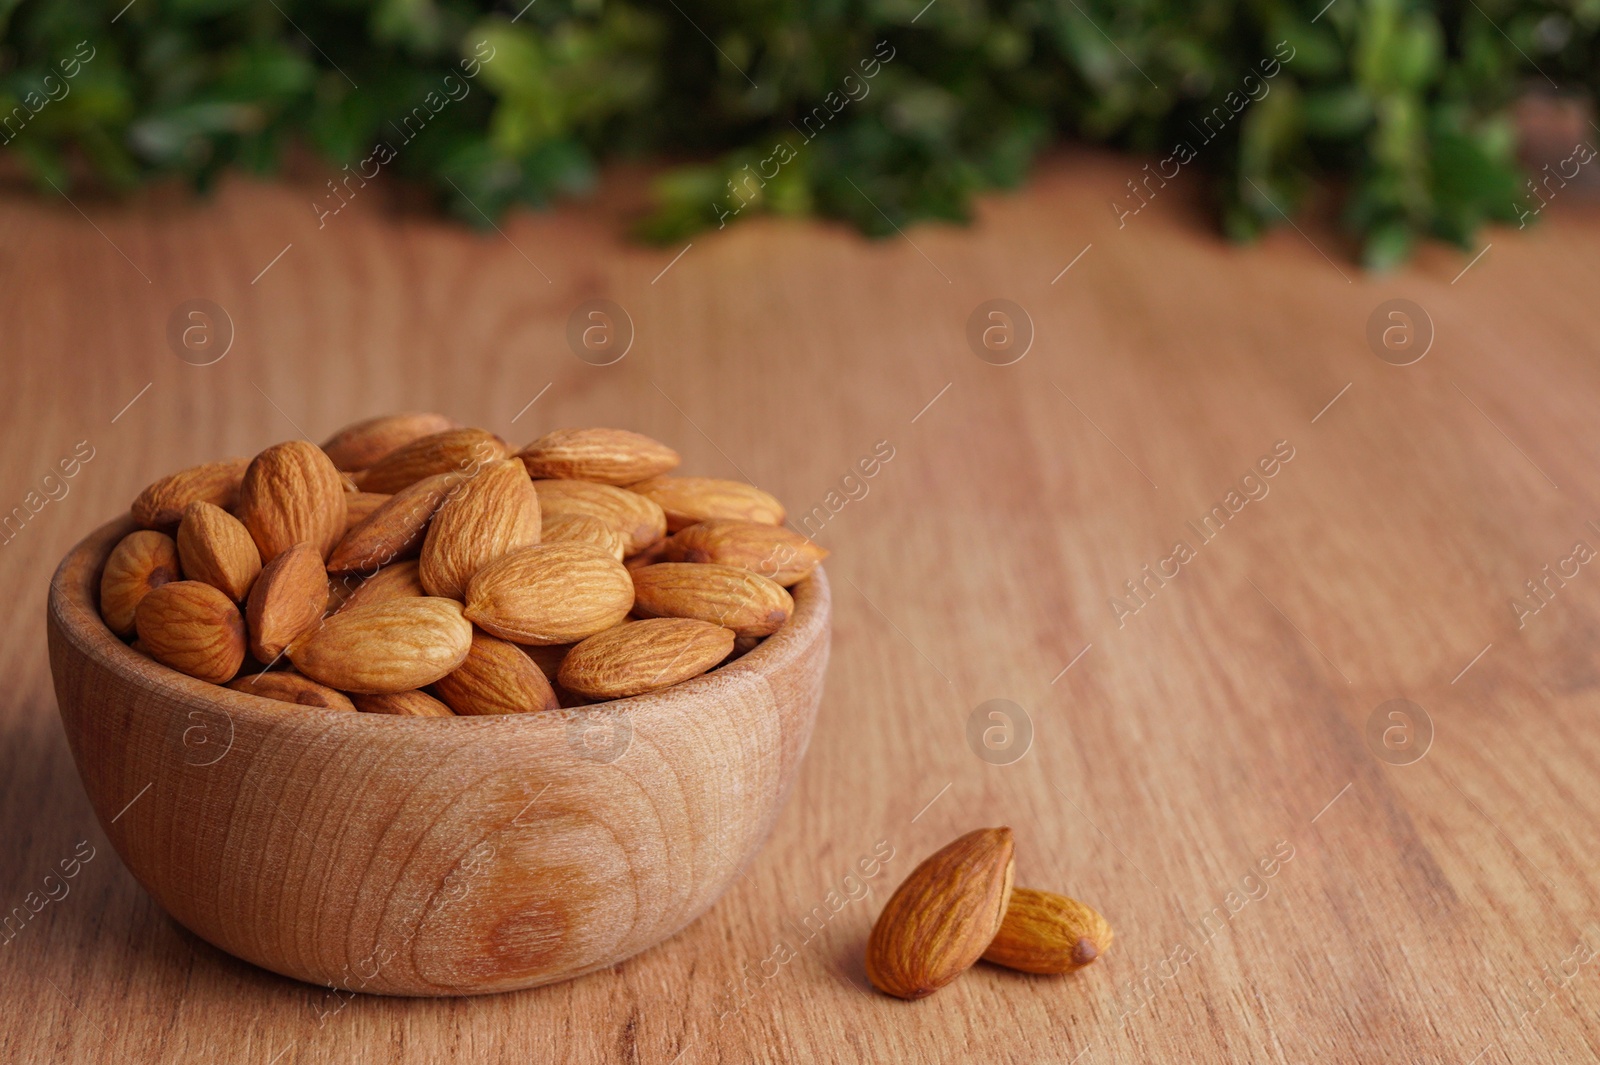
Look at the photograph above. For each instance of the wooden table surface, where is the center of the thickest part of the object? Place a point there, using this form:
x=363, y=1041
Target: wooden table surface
x=1293, y=872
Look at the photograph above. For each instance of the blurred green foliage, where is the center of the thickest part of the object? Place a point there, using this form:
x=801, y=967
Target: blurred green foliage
x=1401, y=104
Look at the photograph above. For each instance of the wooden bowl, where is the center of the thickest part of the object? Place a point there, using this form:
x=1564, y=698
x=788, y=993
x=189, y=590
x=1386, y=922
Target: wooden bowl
x=430, y=856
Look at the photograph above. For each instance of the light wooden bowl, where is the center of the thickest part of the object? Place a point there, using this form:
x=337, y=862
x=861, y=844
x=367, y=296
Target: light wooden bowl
x=430, y=856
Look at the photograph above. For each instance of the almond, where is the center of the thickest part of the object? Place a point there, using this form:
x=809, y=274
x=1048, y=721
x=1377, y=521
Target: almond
x=359, y=505
x=290, y=493
x=161, y=505
x=288, y=598
x=357, y=446
x=1048, y=933
x=582, y=529
x=743, y=645
x=688, y=500
x=770, y=550
x=943, y=917
x=609, y=456
x=215, y=547
x=496, y=678
x=656, y=552
x=641, y=656
x=292, y=688
x=385, y=647
x=402, y=704
x=550, y=593
x=569, y=700
x=141, y=561
x=399, y=581
x=194, y=628
x=747, y=603
x=460, y=451
x=395, y=530
x=489, y=516
x=639, y=519
x=547, y=657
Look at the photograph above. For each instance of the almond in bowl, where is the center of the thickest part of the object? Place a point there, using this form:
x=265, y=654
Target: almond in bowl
x=453, y=682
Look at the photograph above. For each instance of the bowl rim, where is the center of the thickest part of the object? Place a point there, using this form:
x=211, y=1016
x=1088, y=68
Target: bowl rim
x=74, y=608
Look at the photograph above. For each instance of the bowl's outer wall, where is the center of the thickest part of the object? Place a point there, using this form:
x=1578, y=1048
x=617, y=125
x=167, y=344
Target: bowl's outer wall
x=424, y=856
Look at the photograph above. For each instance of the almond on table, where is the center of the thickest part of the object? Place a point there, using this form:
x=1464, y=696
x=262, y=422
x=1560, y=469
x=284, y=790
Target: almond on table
x=1048, y=933
x=941, y=919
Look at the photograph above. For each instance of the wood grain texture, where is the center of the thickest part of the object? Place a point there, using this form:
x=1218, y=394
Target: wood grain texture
x=1424, y=905
x=418, y=856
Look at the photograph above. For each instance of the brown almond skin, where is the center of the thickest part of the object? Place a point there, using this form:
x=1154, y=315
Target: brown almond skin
x=1048, y=933
x=290, y=493
x=287, y=600
x=193, y=628
x=547, y=657
x=689, y=500
x=550, y=593
x=608, y=456
x=361, y=444
x=399, y=581
x=642, y=656
x=639, y=520
x=402, y=704
x=656, y=552
x=770, y=550
x=292, y=688
x=394, y=531
x=489, y=516
x=461, y=451
x=141, y=561
x=385, y=647
x=215, y=547
x=747, y=603
x=942, y=918
x=358, y=506
x=742, y=645
x=161, y=505
x=582, y=529
x=496, y=678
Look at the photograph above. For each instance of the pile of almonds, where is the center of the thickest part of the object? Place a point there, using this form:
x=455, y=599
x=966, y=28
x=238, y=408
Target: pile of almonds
x=959, y=906
x=411, y=566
